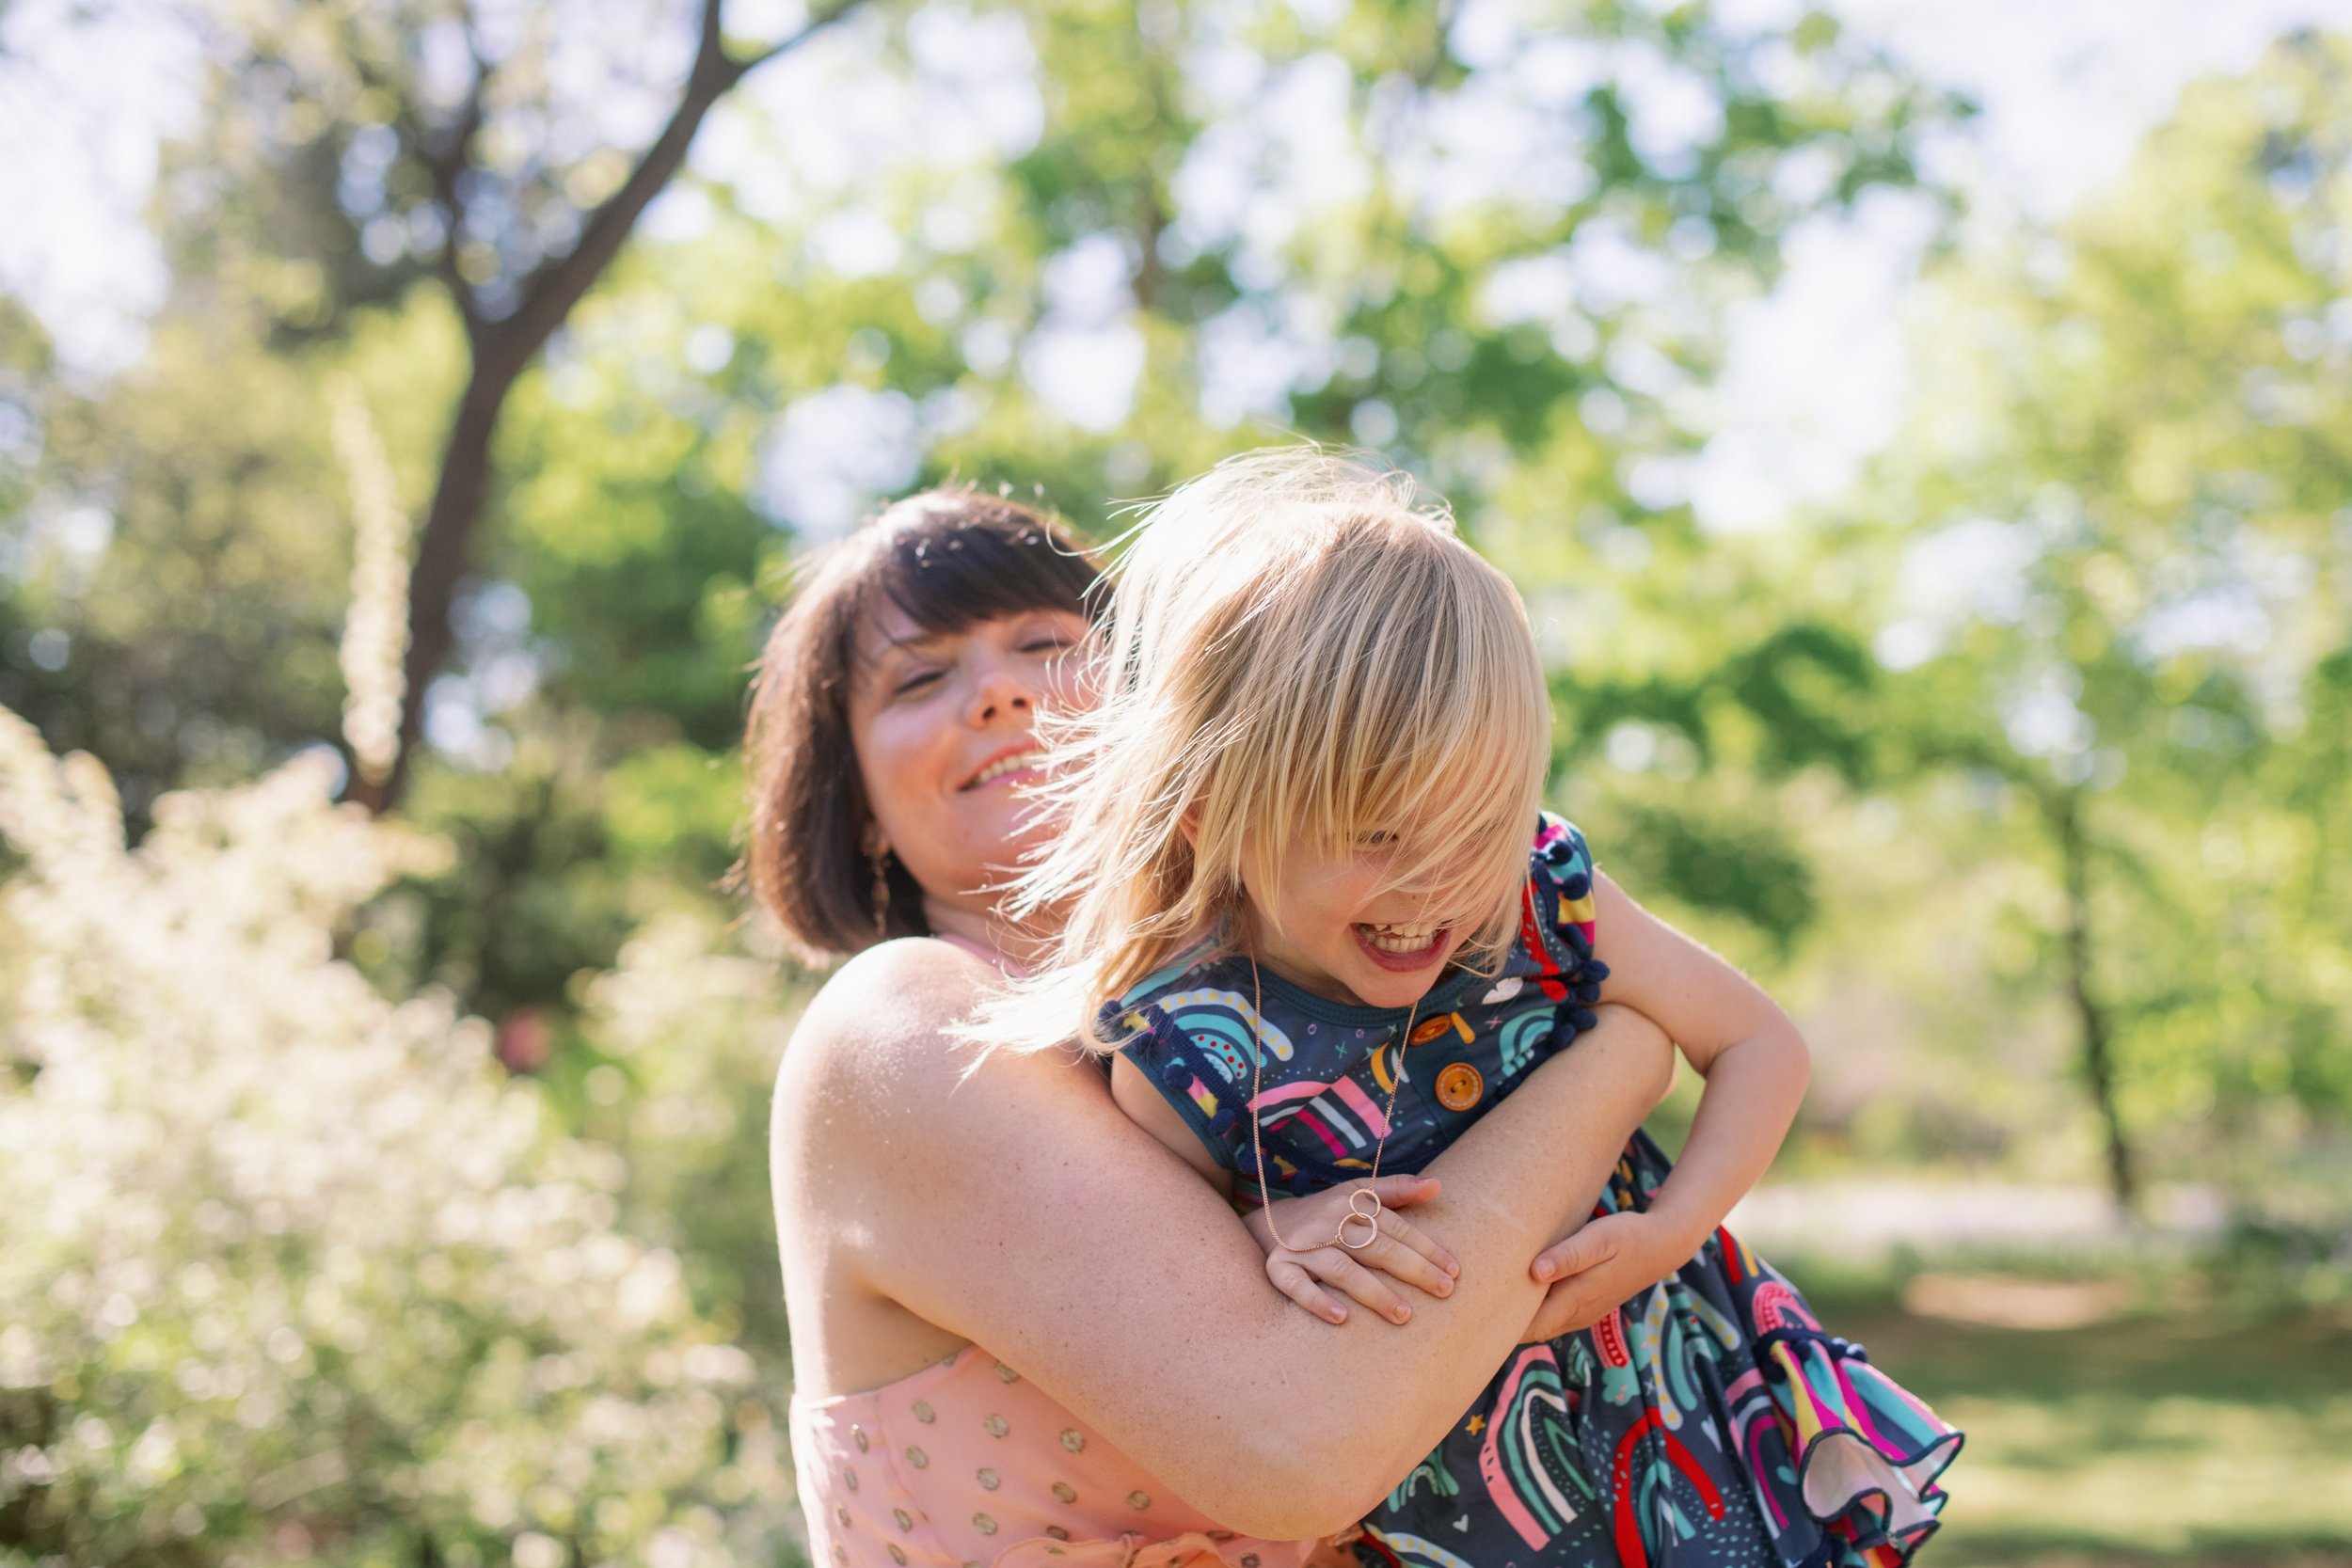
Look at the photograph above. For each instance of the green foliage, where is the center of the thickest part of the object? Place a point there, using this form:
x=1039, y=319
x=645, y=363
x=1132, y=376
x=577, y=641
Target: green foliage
x=199, y=646
x=2151, y=409
x=638, y=516
x=1725, y=860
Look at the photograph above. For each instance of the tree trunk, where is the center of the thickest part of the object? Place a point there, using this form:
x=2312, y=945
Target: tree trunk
x=504, y=348
x=2097, y=1038
x=443, y=551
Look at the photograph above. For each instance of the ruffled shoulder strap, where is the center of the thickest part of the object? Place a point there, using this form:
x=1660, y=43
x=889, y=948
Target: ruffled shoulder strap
x=1193, y=1035
x=1561, y=868
x=1557, y=923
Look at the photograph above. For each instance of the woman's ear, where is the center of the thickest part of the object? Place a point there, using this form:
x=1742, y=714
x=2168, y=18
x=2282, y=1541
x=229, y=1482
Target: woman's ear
x=1188, y=824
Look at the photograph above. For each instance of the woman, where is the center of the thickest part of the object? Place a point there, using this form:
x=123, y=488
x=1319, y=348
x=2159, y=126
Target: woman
x=1122, y=1305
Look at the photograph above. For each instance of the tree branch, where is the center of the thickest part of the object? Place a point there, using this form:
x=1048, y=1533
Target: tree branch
x=556, y=285
x=745, y=65
x=445, y=164
x=502, y=348
x=443, y=151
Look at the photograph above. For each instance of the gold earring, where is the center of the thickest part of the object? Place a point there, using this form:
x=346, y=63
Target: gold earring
x=882, y=897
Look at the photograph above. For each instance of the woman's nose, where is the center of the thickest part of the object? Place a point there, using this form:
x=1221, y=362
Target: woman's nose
x=997, y=690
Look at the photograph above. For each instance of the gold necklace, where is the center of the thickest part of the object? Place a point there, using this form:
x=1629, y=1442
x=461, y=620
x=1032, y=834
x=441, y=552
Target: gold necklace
x=1387, y=1118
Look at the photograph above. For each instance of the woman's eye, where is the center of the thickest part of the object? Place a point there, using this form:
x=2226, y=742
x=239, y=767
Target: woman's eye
x=913, y=682
x=1376, y=841
x=1050, y=643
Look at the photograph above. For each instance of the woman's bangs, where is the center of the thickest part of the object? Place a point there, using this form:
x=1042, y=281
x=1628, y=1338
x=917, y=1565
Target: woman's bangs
x=947, y=580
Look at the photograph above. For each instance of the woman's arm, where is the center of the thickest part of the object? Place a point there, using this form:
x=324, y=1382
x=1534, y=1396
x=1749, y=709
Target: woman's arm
x=1015, y=1205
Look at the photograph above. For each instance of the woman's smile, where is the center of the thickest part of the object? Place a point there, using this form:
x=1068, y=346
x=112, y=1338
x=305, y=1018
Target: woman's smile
x=1010, y=764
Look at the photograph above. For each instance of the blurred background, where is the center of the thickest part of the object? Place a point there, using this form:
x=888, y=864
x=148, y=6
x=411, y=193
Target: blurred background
x=1923, y=432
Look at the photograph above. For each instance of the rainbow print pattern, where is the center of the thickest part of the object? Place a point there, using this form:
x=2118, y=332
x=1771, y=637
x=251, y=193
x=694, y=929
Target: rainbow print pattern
x=1708, y=1423
x=1709, y=1420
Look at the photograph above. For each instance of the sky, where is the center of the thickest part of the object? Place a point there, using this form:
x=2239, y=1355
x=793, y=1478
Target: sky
x=1815, y=373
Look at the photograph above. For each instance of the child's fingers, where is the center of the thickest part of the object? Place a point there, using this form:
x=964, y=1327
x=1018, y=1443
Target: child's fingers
x=1400, y=1192
x=1588, y=1248
x=1298, y=1284
x=1395, y=1253
x=1407, y=1233
x=1567, y=1307
x=1335, y=1268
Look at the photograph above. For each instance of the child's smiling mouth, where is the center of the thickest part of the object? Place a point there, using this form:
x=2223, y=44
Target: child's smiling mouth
x=1402, y=948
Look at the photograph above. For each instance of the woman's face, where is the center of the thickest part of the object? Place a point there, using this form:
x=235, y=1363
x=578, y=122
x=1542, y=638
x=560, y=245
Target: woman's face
x=941, y=723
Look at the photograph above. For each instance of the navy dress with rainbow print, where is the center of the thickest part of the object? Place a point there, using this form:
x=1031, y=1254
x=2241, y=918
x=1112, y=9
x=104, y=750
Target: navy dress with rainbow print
x=1708, y=1423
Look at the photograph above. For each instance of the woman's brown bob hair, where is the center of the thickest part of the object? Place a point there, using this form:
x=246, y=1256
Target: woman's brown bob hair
x=947, y=559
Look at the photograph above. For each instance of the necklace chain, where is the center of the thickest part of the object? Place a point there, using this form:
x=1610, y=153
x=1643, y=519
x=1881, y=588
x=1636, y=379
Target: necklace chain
x=1387, y=1117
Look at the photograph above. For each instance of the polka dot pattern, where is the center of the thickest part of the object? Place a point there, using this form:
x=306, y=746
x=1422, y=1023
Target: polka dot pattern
x=966, y=1463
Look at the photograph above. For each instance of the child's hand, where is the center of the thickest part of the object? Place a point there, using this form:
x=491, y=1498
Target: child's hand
x=1399, y=1250
x=1601, y=1267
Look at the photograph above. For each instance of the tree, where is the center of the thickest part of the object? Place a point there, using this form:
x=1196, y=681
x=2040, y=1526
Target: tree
x=1103, y=245
x=487, y=170
x=2124, y=597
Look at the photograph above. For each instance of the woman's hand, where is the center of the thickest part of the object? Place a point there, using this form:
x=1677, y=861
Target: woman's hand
x=1601, y=1267
x=1396, y=1247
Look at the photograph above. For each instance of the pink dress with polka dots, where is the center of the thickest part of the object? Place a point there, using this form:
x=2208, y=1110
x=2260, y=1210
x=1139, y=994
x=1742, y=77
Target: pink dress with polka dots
x=967, y=1464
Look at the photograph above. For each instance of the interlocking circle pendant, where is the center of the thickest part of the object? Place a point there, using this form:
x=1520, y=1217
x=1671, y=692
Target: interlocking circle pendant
x=1369, y=1216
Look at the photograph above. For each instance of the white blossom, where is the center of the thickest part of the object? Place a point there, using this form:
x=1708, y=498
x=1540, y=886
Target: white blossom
x=294, y=1271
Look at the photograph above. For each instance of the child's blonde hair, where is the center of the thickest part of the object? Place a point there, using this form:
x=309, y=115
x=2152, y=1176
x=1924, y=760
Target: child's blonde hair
x=1297, y=650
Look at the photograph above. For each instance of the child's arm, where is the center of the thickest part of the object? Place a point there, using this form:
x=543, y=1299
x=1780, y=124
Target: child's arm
x=1150, y=1110
x=1400, y=1250
x=1755, y=1065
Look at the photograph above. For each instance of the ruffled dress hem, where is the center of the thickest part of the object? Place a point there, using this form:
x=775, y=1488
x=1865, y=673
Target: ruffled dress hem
x=1871, y=1491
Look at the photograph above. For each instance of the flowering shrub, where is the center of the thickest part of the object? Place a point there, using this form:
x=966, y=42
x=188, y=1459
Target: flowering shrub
x=293, y=1272
x=690, y=1027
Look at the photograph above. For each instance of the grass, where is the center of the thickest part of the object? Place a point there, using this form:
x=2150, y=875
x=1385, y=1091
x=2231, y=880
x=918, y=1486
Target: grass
x=2189, y=1435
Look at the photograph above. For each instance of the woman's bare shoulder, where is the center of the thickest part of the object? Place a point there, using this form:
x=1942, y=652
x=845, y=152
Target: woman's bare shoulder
x=880, y=1040
x=892, y=988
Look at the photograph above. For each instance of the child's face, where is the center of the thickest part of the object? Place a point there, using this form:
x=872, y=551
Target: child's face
x=1339, y=925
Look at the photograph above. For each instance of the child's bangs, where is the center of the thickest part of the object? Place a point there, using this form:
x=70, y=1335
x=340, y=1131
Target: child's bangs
x=1416, y=715
x=1461, y=805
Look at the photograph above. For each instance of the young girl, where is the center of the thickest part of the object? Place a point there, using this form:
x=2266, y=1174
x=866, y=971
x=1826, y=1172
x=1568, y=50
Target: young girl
x=1306, y=915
